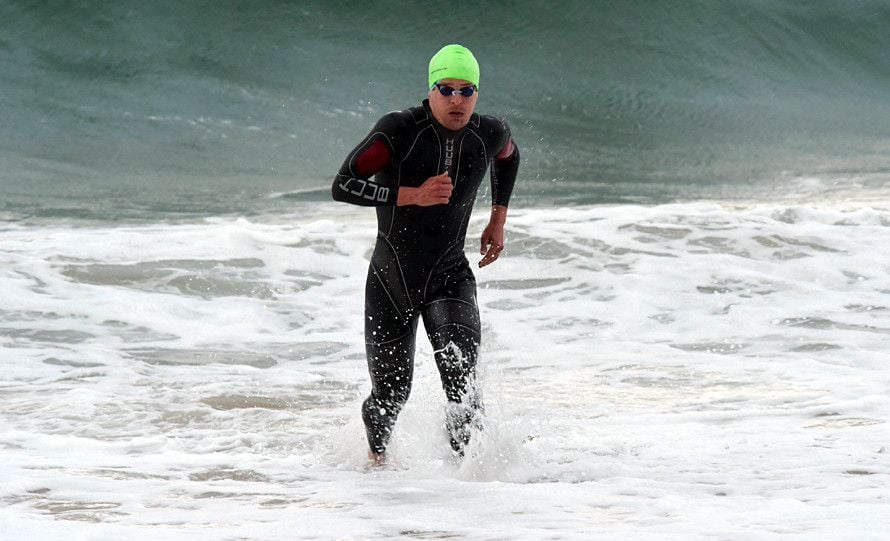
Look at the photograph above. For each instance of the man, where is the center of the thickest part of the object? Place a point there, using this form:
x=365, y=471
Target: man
x=428, y=162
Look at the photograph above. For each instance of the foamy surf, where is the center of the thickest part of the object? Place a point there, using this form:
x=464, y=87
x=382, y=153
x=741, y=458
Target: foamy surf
x=672, y=372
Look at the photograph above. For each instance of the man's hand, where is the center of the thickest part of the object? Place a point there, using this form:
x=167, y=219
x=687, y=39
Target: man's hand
x=434, y=191
x=493, y=236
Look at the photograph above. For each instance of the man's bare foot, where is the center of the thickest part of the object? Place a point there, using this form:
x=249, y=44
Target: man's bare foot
x=377, y=459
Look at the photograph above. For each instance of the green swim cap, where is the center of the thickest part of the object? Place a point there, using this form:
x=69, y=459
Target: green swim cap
x=454, y=62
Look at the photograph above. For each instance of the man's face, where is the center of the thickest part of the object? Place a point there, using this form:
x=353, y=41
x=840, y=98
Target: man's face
x=453, y=111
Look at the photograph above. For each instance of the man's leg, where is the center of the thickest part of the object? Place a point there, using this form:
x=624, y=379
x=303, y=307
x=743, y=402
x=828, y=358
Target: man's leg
x=452, y=323
x=389, y=343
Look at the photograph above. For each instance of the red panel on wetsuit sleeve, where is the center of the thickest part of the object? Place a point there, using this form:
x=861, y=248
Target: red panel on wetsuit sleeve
x=507, y=150
x=372, y=160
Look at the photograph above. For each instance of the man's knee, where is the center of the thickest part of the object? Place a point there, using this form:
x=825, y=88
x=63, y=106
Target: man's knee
x=452, y=316
x=456, y=344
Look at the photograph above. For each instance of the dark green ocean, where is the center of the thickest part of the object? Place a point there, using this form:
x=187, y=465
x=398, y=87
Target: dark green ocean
x=143, y=110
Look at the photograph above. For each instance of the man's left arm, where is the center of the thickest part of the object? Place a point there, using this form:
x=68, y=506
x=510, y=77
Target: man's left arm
x=504, y=168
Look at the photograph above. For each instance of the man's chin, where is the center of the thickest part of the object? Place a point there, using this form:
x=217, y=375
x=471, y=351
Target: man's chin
x=455, y=124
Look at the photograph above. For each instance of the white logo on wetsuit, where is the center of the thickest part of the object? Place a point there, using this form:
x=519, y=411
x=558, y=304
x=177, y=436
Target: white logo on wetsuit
x=449, y=152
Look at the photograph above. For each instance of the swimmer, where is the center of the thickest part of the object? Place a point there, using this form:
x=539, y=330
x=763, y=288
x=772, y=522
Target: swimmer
x=421, y=169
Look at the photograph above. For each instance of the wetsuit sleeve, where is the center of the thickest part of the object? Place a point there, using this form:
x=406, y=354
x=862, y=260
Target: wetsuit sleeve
x=504, y=168
x=353, y=182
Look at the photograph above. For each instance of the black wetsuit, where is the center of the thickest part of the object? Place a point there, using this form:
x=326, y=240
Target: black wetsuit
x=418, y=267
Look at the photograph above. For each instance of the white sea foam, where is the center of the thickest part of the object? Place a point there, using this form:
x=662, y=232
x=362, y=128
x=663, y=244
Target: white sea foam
x=671, y=372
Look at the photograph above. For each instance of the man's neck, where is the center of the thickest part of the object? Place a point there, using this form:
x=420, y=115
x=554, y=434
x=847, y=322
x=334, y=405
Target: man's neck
x=437, y=122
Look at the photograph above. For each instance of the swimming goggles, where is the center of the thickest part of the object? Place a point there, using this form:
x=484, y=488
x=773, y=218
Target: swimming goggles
x=466, y=91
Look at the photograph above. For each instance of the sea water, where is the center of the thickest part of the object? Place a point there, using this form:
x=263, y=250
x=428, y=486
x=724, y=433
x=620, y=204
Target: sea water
x=674, y=371
x=686, y=336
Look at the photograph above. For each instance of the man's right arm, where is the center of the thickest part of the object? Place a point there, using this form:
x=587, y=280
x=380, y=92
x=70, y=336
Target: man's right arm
x=353, y=182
